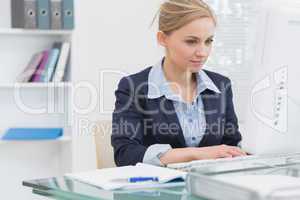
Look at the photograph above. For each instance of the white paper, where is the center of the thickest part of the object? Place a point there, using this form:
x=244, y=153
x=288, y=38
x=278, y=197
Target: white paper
x=266, y=185
x=104, y=178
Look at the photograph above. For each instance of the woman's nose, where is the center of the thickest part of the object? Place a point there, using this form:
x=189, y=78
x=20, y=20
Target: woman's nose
x=201, y=52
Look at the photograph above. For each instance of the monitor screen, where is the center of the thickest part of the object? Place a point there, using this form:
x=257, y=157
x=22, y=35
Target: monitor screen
x=272, y=123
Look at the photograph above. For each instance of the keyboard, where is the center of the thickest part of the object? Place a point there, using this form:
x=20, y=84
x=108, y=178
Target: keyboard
x=238, y=163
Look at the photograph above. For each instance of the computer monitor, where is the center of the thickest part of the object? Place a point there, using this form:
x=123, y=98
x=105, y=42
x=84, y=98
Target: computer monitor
x=272, y=123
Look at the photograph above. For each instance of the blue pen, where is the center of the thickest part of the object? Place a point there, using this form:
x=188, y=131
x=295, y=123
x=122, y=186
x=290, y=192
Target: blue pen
x=141, y=179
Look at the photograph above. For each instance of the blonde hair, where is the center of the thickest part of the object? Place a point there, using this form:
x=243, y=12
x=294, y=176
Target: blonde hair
x=174, y=14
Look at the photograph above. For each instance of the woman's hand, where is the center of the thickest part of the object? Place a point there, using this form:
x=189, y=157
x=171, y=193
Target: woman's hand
x=219, y=151
x=200, y=153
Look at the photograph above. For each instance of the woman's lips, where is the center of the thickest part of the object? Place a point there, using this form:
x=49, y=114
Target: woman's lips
x=196, y=62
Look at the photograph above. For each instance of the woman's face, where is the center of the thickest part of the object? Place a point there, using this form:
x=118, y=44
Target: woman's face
x=189, y=47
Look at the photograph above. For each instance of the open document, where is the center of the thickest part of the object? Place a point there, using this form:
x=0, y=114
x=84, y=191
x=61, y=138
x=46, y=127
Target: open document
x=138, y=176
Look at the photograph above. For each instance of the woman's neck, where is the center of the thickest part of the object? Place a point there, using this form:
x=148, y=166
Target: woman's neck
x=182, y=82
x=176, y=75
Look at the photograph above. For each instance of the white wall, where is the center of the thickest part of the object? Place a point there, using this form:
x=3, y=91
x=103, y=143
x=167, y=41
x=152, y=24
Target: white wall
x=113, y=35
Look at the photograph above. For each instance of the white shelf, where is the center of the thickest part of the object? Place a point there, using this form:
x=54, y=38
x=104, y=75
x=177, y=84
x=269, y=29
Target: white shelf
x=36, y=85
x=60, y=140
x=15, y=31
x=21, y=104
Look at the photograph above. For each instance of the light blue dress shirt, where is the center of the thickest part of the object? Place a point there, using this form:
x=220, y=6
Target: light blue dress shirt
x=190, y=115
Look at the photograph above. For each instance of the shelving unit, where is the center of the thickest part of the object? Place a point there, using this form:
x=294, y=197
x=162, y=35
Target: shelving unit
x=15, y=31
x=63, y=139
x=36, y=85
x=32, y=105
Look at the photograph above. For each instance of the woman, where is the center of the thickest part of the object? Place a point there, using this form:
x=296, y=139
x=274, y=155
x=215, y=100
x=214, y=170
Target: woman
x=176, y=111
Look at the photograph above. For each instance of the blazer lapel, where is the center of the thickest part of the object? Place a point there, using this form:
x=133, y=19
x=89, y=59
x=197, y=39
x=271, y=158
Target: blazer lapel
x=210, y=104
x=172, y=118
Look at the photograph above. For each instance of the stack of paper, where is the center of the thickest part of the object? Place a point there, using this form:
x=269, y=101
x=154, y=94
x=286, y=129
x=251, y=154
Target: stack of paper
x=113, y=178
x=273, y=186
x=244, y=187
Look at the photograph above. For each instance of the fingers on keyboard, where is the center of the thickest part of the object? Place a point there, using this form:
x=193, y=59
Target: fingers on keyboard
x=238, y=151
x=225, y=154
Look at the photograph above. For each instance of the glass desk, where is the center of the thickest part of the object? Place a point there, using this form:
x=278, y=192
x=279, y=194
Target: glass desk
x=64, y=188
x=200, y=181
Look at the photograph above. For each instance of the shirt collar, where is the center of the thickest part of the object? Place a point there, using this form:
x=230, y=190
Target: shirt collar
x=158, y=85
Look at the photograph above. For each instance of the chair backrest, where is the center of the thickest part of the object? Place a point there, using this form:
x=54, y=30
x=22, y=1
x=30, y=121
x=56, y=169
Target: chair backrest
x=104, y=150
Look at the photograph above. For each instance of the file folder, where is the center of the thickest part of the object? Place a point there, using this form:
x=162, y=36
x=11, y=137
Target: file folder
x=43, y=12
x=68, y=14
x=38, y=74
x=32, y=133
x=51, y=64
x=57, y=45
x=30, y=69
x=56, y=16
x=23, y=14
x=61, y=66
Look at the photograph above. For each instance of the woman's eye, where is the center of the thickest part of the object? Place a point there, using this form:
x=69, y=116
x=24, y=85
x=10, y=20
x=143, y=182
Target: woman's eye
x=209, y=41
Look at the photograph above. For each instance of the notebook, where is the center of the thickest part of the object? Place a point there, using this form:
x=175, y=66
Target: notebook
x=110, y=178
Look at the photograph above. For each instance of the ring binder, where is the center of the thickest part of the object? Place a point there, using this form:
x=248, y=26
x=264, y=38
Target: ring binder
x=68, y=14
x=43, y=11
x=23, y=14
x=56, y=17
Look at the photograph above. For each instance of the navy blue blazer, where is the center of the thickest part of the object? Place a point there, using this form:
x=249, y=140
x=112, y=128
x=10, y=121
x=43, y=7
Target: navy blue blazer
x=139, y=122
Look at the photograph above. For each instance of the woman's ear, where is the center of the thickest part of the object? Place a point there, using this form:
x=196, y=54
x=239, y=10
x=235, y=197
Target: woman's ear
x=162, y=38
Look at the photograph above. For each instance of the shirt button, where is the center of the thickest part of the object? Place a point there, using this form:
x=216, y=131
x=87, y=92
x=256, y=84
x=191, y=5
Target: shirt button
x=190, y=120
